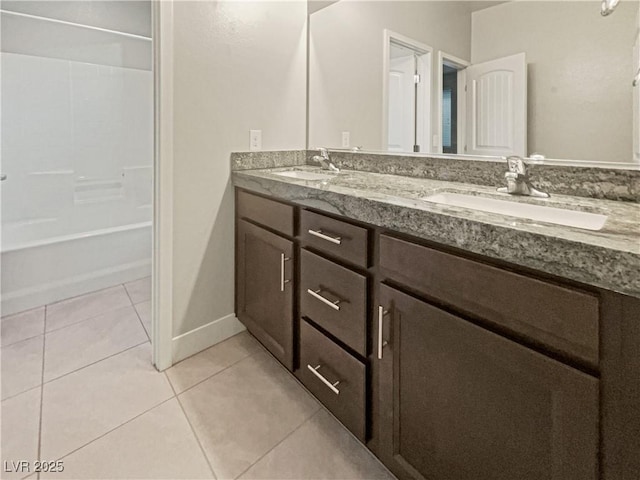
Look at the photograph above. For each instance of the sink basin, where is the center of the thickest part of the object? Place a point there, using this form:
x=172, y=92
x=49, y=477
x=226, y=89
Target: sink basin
x=302, y=175
x=558, y=216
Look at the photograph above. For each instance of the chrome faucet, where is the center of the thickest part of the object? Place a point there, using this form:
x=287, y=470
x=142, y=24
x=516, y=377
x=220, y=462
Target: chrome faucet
x=325, y=160
x=518, y=180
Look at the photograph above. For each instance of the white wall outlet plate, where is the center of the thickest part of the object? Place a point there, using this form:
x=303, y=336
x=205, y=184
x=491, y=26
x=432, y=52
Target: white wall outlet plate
x=346, y=139
x=255, y=140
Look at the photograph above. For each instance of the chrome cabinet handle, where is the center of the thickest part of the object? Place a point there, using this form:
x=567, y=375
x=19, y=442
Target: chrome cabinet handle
x=381, y=344
x=316, y=294
x=283, y=282
x=3, y=177
x=332, y=386
x=324, y=236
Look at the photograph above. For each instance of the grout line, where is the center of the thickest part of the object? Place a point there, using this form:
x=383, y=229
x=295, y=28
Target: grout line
x=124, y=285
x=114, y=429
x=92, y=317
x=304, y=422
x=96, y=362
x=78, y=296
x=21, y=393
x=175, y=394
x=195, y=434
x=44, y=344
x=140, y=319
x=214, y=374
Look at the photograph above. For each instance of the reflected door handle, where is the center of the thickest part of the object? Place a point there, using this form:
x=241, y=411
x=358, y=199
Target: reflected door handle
x=3, y=177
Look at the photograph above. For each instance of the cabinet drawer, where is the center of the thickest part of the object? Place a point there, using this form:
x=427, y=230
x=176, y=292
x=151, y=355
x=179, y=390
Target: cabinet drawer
x=564, y=319
x=274, y=215
x=335, y=377
x=335, y=298
x=340, y=239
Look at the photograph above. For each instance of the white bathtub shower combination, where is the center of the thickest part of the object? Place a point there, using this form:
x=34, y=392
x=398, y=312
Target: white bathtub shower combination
x=77, y=141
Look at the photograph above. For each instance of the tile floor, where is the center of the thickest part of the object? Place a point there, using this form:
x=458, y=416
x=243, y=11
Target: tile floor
x=78, y=386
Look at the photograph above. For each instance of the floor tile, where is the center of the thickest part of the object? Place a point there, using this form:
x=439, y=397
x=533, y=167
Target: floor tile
x=321, y=448
x=81, y=344
x=209, y=362
x=20, y=428
x=21, y=366
x=86, y=306
x=139, y=290
x=83, y=405
x=244, y=411
x=144, y=312
x=133, y=450
x=21, y=326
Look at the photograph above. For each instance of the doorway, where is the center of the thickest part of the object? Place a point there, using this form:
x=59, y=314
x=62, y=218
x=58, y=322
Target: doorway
x=78, y=169
x=451, y=104
x=407, y=95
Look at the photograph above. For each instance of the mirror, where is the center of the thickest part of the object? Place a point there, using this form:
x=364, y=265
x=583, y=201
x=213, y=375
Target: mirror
x=481, y=78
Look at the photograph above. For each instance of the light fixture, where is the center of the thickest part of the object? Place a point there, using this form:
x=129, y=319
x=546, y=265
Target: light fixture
x=608, y=6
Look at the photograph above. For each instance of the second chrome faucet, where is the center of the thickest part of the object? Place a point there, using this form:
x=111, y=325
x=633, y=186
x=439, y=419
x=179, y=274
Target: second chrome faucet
x=517, y=177
x=325, y=160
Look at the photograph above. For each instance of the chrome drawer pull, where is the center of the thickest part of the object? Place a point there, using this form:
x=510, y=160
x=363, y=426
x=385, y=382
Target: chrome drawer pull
x=332, y=386
x=326, y=301
x=282, y=280
x=381, y=344
x=324, y=236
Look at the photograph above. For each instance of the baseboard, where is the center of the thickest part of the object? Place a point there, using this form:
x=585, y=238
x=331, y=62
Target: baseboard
x=203, y=337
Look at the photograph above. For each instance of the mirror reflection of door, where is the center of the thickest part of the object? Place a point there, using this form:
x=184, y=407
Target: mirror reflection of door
x=408, y=97
x=451, y=103
x=449, y=110
x=497, y=107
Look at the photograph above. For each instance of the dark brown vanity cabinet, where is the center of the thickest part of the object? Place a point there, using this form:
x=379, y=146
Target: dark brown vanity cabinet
x=264, y=287
x=449, y=366
x=460, y=402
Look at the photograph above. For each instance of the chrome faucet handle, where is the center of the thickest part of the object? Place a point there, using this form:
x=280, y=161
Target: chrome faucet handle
x=516, y=165
x=517, y=177
x=325, y=160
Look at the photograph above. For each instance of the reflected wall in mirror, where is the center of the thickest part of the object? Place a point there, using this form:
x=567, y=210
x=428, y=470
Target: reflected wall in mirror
x=552, y=78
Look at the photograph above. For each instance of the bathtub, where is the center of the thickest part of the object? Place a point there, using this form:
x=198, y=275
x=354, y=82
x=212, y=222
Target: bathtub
x=37, y=271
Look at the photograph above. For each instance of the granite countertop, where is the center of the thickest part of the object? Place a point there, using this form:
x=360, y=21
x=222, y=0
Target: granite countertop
x=608, y=258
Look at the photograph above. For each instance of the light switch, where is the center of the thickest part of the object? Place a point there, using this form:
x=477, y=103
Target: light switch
x=346, y=139
x=255, y=140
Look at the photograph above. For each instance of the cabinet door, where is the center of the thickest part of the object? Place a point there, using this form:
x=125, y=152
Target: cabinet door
x=459, y=402
x=264, y=270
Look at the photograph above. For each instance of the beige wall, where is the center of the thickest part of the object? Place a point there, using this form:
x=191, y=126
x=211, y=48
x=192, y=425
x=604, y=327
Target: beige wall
x=238, y=66
x=580, y=104
x=346, y=61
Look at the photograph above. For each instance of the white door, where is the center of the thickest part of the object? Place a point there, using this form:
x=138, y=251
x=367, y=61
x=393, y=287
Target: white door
x=402, y=104
x=497, y=107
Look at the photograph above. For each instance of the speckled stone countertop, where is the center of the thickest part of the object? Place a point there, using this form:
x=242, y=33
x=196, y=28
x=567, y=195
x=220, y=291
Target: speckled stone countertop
x=609, y=258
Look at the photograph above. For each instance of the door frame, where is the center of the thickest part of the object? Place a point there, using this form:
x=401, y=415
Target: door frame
x=162, y=261
x=424, y=100
x=461, y=64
